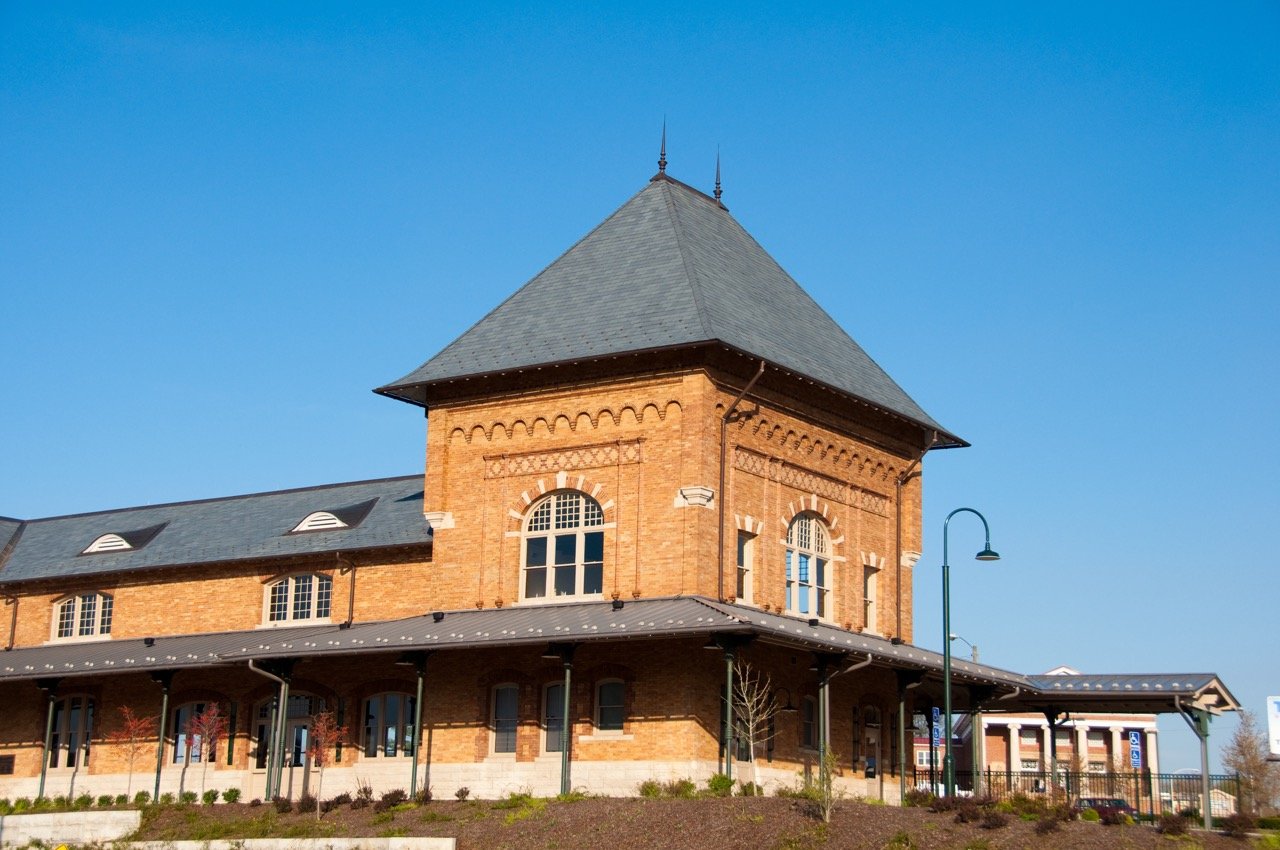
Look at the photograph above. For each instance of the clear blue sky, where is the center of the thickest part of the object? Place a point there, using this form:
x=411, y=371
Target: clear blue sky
x=1058, y=227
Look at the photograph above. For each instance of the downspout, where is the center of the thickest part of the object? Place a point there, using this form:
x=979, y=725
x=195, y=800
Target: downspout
x=13, y=621
x=1198, y=720
x=910, y=472
x=351, y=594
x=49, y=686
x=277, y=730
x=729, y=416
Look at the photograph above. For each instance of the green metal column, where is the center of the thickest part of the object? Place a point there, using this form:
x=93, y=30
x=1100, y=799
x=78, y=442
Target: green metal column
x=729, y=657
x=421, y=665
x=1198, y=719
x=49, y=686
x=165, y=680
x=276, y=764
x=566, y=724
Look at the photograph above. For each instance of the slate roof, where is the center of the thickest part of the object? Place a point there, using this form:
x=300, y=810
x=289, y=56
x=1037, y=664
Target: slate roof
x=580, y=623
x=671, y=268
x=237, y=528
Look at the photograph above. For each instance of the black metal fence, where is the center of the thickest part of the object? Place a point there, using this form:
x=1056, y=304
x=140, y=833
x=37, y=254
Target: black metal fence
x=1151, y=794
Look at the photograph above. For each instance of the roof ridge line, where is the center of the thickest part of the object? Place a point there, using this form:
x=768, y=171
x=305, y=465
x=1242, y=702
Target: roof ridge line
x=690, y=270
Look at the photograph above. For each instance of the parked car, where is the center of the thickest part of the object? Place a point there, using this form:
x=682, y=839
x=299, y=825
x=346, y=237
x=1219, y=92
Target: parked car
x=1107, y=805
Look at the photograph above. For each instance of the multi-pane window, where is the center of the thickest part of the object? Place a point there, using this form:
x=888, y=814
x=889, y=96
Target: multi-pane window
x=746, y=553
x=388, y=725
x=299, y=597
x=84, y=615
x=506, y=717
x=610, y=711
x=808, y=566
x=553, y=717
x=809, y=723
x=186, y=746
x=564, y=547
x=71, y=730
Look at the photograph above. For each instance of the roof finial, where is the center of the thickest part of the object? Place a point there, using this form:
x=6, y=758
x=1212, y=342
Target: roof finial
x=662, y=155
x=718, y=191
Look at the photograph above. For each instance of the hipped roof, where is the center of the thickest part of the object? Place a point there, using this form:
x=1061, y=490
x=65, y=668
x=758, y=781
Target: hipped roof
x=670, y=269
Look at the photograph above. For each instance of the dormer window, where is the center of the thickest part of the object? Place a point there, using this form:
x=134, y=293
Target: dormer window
x=334, y=519
x=86, y=615
x=108, y=543
x=122, y=541
x=319, y=521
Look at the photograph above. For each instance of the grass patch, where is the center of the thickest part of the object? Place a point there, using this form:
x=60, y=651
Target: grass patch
x=430, y=816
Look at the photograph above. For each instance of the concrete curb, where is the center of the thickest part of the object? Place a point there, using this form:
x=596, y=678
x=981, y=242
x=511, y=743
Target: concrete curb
x=402, y=843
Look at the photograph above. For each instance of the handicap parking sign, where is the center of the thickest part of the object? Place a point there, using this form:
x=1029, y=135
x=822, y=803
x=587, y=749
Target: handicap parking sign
x=1135, y=738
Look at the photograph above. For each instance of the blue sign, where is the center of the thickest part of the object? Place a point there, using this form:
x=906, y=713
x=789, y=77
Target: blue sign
x=937, y=714
x=1135, y=738
x=1135, y=756
x=937, y=735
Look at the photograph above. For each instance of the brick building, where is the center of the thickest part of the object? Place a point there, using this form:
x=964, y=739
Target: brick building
x=657, y=458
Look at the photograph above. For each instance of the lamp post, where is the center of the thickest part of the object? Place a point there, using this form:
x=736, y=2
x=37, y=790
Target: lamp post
x=976, y=731
x=948, y=760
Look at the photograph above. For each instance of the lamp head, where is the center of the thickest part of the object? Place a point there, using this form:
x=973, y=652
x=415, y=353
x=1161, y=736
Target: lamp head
x=987, y=554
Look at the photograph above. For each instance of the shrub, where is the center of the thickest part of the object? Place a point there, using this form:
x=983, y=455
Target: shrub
x=462, y=793
x=122, y=799
x=1169, y=824
x=283, y=806
x=918, y=797
x=189, y=797
x=1116, y=819
x=1269, y=823
x=255, y=802
x=166, y=799
x=342, y=799
x=900, y=841
x=209, y=797
x=720, y=785
x=1238, y=825
x=968, y=811
x=750, y=789
x=1046, y=825
x=231, y=795
x=1092, y=816
x=395, y=798
x=141, y=798
x=61, y=802
x=683, y=788
x=994, y=820
x=423, y=796
x=306, y=803
x=21, y=804
x=364, y=795
x=650, y=789
x=106, y=801
x=943, y=804
x=5, y=806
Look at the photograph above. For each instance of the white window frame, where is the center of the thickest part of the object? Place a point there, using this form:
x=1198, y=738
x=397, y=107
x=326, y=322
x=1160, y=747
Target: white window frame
x=319, y=521
x=108, y=542
x=746, y=556
x=70, y=742
x=871, y=598
x=282, y=594
x=549, y=521
x=621, y=706
x=184, y=744
x=808, y=567
x=83, y=617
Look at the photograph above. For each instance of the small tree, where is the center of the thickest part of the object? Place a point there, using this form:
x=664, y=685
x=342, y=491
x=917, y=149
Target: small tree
x=753, y=707
x=134, y=735
x=204, y=730
x=1247, y=754
x=325, y=735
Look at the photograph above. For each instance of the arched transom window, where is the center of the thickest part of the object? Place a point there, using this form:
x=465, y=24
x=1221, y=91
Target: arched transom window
x=564, y=548
x=299, y=598
x=85, y=615
x=808, y=566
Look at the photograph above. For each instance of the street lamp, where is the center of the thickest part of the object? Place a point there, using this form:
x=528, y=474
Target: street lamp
x=987, y=554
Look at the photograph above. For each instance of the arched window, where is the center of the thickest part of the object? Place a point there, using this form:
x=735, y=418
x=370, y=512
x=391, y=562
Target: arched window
x=553, y=717
x=298, y=598
x=388, y=725
x=72, y=729
x=564, y=534
x=506, y=717
x=808, y=566
x=611, y=709
x=82, y=616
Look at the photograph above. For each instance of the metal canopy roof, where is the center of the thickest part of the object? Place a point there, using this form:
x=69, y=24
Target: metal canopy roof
x=600, y=622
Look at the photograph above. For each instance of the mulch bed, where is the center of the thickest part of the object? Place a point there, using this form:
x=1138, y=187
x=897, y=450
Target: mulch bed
x=597, y=823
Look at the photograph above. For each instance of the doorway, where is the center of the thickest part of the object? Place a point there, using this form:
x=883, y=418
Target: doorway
x=295, y=778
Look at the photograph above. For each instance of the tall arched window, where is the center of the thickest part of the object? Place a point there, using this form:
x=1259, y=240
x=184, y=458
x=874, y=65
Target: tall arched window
x=301, y=597
x=808, y=566
x=388, y=725
x=72, y=729
x=187, y=746
x=82, y=616
x=564, y=535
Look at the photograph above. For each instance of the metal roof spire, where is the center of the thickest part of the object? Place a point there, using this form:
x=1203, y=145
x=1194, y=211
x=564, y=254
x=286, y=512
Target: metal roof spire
x=662, y=155
x=718, y=191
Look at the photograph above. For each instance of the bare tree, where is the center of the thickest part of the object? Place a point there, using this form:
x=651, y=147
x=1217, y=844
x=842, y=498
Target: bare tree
x=1247, y=754
x=135, y=734
x=204, y=730
x=325, y=735
x=753, y=707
